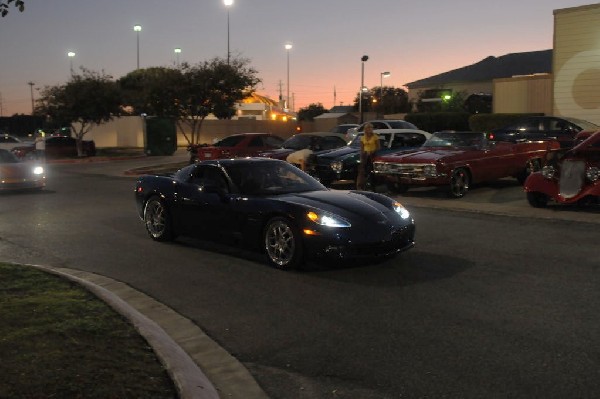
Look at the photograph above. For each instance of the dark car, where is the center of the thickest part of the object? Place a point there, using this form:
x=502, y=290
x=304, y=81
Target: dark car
x=343, y=128
x=58, y=147
x=316, y=142
x=17, y=175
x=275, y=207
x=572, y=177
x=456, y=159
x=543, y=128
x=236, y=145
x=342, y=164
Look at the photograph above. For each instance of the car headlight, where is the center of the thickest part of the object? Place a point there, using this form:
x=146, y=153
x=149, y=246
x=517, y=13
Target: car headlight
x=38, y=170
x=592, y=173
x=336, y=166
x=430, y=171
x=401, y=210
x=327, y=219
x=379, y=167
x=548, y=171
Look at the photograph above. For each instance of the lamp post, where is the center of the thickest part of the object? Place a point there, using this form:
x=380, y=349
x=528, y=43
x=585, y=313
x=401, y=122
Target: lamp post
x=31, y=84
x=137, y=29
x=288, y=47
x=177, y=52
x=228, y=4
x=71, y=54
x=382, y=75
x=363, y=59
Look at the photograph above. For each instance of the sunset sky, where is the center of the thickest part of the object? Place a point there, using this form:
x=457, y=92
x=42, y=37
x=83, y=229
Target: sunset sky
x=410, y=39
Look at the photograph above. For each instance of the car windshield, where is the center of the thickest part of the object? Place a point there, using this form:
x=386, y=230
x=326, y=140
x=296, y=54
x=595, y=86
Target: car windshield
x=298, y=142
x=452, y=139
x=7, y=157
x=270, y=178
x=585, y=125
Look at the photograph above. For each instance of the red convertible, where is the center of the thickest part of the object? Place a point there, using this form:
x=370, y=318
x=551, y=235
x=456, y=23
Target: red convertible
x=457, y=159
x=574, y=178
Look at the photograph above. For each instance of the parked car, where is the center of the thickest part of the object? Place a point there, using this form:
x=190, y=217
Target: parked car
x=272, y=206
x=57, y=147
x=304, y=144
x=343, y=128
x=236, y=145
x=8, y=142
x=342, y=164
x=458, y=159
x=572, y=177
x=379, y=124
x=542, y=128
x=18, y=175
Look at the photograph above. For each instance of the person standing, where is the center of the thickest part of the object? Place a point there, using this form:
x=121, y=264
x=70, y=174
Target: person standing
x=40, y=146
x=369, y=145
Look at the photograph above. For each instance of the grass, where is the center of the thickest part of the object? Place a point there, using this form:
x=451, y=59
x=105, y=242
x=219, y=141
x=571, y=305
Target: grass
x=59, y=341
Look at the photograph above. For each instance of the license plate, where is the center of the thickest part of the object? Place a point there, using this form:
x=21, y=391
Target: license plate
x=207, y=155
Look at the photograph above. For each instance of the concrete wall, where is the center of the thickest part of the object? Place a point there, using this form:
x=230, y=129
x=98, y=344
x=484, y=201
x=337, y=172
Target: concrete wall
x=523, y=94
x=576, y=62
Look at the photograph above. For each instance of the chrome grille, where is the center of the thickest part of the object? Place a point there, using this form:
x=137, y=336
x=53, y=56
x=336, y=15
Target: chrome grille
x=572, y=176
x=398, y=168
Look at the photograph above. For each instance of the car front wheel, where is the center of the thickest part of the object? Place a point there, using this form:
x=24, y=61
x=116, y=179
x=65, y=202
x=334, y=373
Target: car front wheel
x=158, y=220
x=283, y=244
x=537, y=200
x=459, y=183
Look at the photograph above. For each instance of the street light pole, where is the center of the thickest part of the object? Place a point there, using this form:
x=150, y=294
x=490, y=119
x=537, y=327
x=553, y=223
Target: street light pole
x=363, y=59
x=31, y=84
x=71, y=54
x=228, y=4
x=288, y=47
x=137, y=29
x=382, y=75
x=177, y=52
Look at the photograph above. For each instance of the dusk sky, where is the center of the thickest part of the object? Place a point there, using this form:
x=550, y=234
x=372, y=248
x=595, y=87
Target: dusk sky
x=410, y=39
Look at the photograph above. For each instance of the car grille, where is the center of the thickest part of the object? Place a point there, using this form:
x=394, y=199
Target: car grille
x=401, y=238
x=572, y=176
x=400, y=169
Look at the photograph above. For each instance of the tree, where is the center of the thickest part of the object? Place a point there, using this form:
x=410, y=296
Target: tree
x=384, y=100
x=85, y=101
x=190, y=93
x=308, y=113
x=4, y=4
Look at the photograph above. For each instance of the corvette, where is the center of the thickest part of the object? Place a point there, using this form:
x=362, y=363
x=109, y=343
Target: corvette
x=17, y=175
x=274, y=207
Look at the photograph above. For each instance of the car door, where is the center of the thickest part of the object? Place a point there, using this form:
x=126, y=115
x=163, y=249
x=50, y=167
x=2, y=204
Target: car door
x=561, y=130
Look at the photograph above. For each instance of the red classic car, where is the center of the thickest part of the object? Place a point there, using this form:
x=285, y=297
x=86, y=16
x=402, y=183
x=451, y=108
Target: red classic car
x=572, y=178
x=457, y=159
x=236, y=145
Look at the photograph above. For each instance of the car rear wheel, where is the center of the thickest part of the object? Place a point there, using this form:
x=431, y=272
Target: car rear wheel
x=283, y=244
x=459, y=183
x=537, y=199
x=158, y=220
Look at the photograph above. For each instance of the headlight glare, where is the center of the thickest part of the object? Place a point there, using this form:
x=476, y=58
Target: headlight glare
x=327, y=219
x=38, y=170
x=592, y=173
x=400, y=210
x=336, y=166
x=548, y=171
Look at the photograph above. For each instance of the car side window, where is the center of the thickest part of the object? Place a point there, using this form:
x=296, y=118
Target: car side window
x=209, y=176
x=329, y=143
x=273, y=142
x=256, y=142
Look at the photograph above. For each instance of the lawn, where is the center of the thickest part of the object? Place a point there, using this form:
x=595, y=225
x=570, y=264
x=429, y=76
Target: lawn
x=59, y=341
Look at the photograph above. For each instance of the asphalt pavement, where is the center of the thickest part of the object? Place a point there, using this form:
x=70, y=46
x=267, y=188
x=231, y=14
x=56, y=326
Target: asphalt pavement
x=199, y=367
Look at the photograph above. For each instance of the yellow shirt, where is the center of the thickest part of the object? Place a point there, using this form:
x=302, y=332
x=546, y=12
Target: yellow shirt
x=369, y=144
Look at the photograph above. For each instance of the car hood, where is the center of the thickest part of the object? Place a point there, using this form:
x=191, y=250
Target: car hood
x=277, y=153
x=420, y=156
x=348, y=204
x=340, y=152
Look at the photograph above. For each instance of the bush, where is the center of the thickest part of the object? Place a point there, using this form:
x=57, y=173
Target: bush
x=437, y=121
x=487, y=122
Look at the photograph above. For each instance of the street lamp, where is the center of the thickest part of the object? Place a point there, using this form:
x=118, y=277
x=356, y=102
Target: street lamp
x=137, y=29
x=382, y=75
x=363, y=59
x=31, y=84
x=288, y=47
x=228, y=4
x=71, y=54
x=177, y=52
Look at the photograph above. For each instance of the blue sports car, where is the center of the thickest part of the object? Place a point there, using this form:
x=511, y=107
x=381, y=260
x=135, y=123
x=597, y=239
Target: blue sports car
x=272, y=206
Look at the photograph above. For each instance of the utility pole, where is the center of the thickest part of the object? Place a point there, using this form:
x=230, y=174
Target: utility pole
x=31, y=84
x=334, y=96
x=281, y=104
x=1, y=110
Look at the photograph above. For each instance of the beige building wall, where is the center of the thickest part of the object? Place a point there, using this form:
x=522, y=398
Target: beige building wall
x=523, y=94
x=576, y=62
x=127, y=131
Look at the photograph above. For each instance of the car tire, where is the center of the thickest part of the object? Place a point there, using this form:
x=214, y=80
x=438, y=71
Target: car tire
x=397, y=188
x=157, y=220
x=283, y=244
x=537, y=199
x=459, y=183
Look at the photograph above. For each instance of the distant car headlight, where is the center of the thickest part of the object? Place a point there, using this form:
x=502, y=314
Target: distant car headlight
x=593, y=173
x=336, y=166
x=38, y=170
x=548, y=172
x=430, y=170
x=327, y=219
x=401, y=210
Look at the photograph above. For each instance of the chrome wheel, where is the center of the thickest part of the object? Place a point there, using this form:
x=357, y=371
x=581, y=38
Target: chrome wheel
x=459, y=183
x=282, y=244
x=157, y=220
